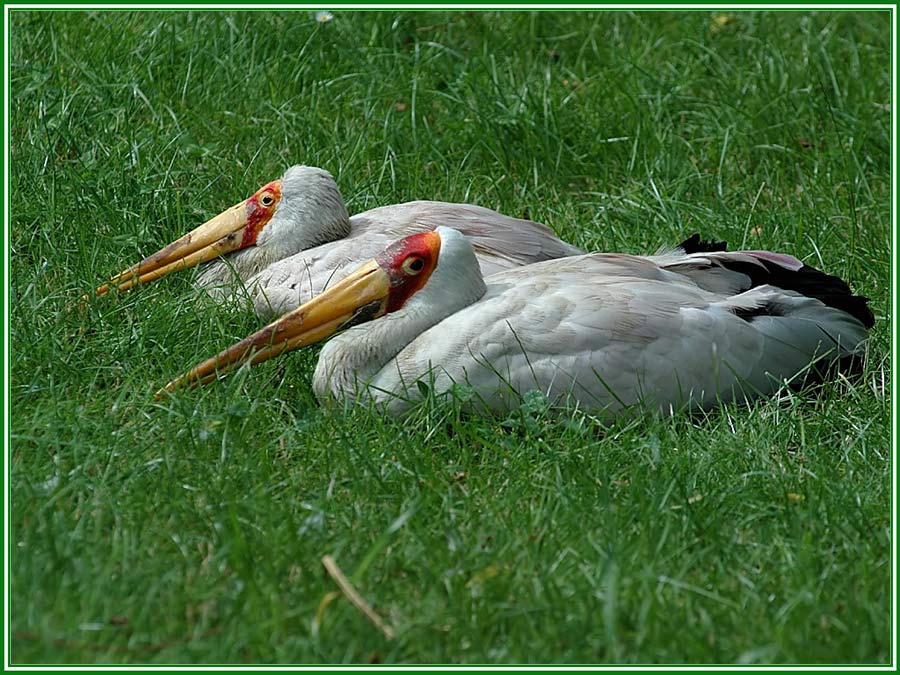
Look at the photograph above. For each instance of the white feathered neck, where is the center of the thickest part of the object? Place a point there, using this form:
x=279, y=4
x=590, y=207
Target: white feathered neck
x=352, y=358
x=311, y=212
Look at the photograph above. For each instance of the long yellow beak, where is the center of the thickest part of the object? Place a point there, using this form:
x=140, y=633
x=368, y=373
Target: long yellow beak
x=359, y=297
x=223, y=234
x=231, y=230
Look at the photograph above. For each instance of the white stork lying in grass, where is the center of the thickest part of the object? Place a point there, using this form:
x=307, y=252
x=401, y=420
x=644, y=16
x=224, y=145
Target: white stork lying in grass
x=690, y=329
x=293, y=237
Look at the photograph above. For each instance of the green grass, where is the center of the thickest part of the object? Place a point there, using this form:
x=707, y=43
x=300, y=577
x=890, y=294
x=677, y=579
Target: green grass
x=193, y=530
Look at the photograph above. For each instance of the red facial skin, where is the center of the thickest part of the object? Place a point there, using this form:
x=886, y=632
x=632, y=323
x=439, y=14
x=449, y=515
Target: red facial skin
x=405, y=281
x=258, y=214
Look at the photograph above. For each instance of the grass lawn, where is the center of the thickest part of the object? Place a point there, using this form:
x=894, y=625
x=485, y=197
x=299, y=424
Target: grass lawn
x=193, y=530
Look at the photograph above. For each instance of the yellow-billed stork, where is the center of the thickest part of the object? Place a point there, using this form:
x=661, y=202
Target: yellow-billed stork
x=607, y=331
x=293, y=237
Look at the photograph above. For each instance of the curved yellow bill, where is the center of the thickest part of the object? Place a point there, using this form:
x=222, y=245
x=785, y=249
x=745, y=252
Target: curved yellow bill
x=359, y=297
x=223, y=234
x=231, y=230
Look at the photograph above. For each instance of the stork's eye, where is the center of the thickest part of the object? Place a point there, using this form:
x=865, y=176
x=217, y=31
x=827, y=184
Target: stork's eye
x=267, y=199
x=413, y=265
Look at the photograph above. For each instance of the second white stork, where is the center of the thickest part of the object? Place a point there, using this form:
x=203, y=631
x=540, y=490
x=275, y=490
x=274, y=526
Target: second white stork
x=293, y=237
x=605, y=331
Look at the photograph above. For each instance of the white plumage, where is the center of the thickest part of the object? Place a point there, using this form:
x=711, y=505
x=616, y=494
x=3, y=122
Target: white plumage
x=500, y=243
x=605, y=331
x=294, y=237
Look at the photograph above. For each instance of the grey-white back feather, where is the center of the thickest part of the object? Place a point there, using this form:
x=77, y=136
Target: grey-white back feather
x=611, y=331
x=500, y=242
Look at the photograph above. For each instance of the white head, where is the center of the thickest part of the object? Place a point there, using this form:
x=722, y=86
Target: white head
x=309, y=211
x=302, y=209
x=456, y=281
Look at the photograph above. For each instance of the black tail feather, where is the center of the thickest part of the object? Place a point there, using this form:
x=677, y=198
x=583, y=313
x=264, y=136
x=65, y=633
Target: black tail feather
x=694, y=244
x=827, y=288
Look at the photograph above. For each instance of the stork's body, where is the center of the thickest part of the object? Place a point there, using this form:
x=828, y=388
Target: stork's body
x=605, y=331
x=501, y=243
x=294, y=237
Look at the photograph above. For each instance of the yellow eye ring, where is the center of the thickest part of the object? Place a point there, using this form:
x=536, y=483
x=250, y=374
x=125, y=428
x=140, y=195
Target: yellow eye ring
x=267, y=199
x=413, y=265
